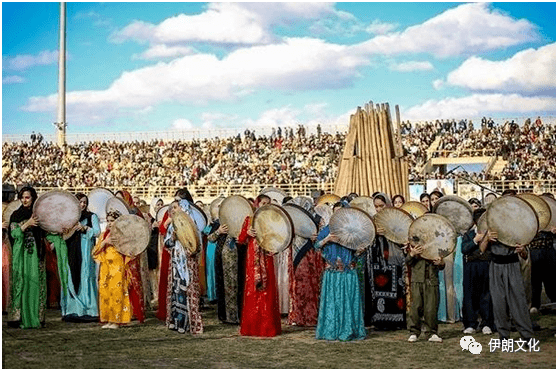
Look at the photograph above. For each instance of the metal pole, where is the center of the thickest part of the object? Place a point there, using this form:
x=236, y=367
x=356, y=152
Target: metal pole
x=61, y=119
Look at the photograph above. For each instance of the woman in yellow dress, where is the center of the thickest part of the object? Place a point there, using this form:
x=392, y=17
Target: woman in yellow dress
x=114, y=300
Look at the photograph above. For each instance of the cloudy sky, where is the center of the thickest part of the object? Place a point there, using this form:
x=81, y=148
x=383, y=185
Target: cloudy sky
x=166, y=66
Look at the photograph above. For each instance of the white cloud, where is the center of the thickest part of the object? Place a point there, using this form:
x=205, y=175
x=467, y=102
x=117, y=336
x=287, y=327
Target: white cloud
x=438, y=84
x=164, y=51
x=284, y=116
x=295, y=64
x=14, y=79
x=465, y=29
x=224, y=23
x=528, y=71
x=479, y=105
x=378, y=27
x=412, y=66
x=26, y=61
x=182, y=124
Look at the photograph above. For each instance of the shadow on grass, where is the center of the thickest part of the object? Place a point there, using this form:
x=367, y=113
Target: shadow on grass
x=152, y=345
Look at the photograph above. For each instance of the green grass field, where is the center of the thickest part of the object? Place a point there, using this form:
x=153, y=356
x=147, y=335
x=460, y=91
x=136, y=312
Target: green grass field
x=152, y=345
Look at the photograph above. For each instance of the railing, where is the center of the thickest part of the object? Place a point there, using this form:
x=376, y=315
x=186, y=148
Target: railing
x=190, y=134
x=465, y=153
x=208, y=193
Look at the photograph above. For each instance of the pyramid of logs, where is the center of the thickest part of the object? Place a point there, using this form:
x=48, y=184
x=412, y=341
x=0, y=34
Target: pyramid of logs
x=373, y=158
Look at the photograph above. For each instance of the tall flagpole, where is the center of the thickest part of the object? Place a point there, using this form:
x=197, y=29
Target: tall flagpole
x=61, y=119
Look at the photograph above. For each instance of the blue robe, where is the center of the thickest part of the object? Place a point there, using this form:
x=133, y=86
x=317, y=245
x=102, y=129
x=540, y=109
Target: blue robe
x=83, y=303
x=210, y=262
x=340, y=315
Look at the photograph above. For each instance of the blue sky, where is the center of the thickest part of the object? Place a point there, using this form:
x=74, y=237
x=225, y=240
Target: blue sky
x=170, y=66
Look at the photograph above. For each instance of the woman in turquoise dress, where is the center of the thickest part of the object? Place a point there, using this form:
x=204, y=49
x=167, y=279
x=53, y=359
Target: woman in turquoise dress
x=340, y=314
x=81, y=298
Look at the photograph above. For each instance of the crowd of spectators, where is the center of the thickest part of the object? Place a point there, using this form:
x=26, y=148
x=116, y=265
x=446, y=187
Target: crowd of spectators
x=287, y=156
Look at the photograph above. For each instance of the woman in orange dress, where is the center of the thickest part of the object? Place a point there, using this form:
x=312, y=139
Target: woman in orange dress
x=114, y=299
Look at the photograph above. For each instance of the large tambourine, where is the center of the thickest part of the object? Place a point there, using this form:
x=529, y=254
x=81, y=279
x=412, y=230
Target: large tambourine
x=233, y=211
x=275, y=194
x=415, y=208
x=482, y=226
x=514, y=219
x=395, y=222
x=98, y=199
x=303, y=223
x=457, y=210
x=325, y=212
x=57, y=211
x=541, y=207
x=9, y=208
x=186, y=231
x=303, y=201
x=328, y=198
x=161, y=213
x=131, y=235
x=274, y=228
x=365, y=204
x=214, y=207
x=197, y=210
x=435, y=233
x=353, y=228
x=117, y=204
x=552, y=204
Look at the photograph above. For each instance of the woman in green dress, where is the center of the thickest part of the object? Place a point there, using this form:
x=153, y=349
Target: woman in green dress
x=28, y=284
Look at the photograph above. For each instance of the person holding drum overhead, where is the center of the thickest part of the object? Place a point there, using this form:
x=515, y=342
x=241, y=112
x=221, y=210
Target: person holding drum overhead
x=384, y=304
x=425, y=294
x=28, y=281
x=184, y=314
x=476, y=280
x=81, y=304
x=425, y=200
x=507, y=289
x=140, y=288
x=260, y=310
x=114, y=300
x=340, y=315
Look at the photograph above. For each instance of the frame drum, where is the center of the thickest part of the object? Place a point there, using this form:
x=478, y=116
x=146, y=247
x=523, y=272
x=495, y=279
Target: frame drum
x=514, y=220
x=274, y=228
x=57, y=211
x=435, y=233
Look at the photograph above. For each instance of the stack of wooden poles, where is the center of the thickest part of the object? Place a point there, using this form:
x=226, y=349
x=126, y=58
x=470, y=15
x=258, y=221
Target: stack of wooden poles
x=373, y=155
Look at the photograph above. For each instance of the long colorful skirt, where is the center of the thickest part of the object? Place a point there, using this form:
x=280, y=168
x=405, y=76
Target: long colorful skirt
x=341, y=314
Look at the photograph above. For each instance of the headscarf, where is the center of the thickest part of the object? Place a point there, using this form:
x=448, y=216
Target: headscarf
x=383, y=197
x=22, y=214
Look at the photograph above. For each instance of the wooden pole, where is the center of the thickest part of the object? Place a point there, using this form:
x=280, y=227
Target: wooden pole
x=364, y=159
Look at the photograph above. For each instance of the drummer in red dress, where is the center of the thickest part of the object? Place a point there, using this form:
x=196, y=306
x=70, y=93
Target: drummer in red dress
x=260, y=312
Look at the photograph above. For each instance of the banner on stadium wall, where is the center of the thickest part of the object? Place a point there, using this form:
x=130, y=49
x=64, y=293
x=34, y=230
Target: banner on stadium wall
x=468, y=191
x=415, y=190
x=443, y=185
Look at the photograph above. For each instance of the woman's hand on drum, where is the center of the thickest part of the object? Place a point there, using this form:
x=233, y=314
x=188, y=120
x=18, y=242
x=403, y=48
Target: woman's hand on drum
x=252, y=232
x=32, y=222
x=438, y=261
x=5, y=224
x=520, y=249
x=168, y=222
x=492, y=236
x=223, y=229
x=314, y=237
x=416, y=250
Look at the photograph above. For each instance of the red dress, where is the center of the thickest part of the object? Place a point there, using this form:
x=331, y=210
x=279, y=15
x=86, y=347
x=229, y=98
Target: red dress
x=260, y=312
x=305, y=289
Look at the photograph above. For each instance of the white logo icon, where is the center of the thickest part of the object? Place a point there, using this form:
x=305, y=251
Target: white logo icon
x=469, y=343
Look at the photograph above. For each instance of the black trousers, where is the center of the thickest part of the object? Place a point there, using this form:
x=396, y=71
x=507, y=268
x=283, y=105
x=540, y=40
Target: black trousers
x=476, y=295
x=543, y=270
